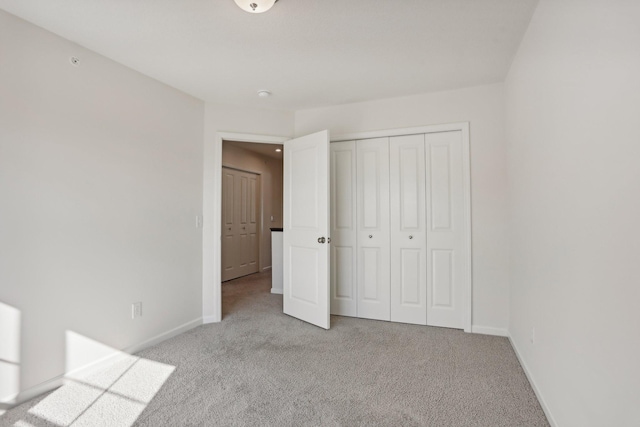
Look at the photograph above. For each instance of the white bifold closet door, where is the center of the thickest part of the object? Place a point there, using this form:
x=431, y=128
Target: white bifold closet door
x=343, y=228
x=447, y=260
x=408, y=230
x=373, y=269
x=400, y=229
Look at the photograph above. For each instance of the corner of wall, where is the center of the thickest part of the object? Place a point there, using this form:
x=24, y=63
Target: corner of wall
x=532, y=382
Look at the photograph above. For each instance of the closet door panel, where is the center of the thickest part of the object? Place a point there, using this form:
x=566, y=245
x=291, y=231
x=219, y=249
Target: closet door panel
x=240, y=225
x=373, y=270
x=253, y=201
x=371, y=275
x=343, y=228
x=408, y=230
x=230, y=256
x=446, y=229
x=245, y=246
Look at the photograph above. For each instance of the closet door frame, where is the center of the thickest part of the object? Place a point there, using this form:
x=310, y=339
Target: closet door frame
x=462, y=127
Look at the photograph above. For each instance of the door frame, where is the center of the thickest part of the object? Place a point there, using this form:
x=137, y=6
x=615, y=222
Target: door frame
x=466, y=182
x=212, y=221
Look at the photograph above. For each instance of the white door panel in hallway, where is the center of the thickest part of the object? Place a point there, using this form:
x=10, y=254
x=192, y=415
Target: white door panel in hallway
x=240, y=197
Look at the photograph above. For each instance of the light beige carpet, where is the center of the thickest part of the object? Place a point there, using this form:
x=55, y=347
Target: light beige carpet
x=260, y=367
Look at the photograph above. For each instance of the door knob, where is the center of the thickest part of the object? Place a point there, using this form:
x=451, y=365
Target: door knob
x=370, y=236
x=321, y=239
x=410, y=237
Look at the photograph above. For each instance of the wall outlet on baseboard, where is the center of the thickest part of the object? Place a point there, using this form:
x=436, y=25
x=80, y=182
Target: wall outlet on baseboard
x=136, y=310
x=533, y=335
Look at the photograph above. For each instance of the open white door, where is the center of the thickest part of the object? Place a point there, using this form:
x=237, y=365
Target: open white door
x=306, y=228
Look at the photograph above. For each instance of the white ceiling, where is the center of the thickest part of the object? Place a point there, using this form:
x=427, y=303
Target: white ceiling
x=309, y=53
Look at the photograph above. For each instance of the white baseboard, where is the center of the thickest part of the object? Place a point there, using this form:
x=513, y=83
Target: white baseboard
x=525, y=368
x=487, y=330
x=210, y=319
x=94, y=366
x=163, y=336
x=35, y=391
x=276, y=291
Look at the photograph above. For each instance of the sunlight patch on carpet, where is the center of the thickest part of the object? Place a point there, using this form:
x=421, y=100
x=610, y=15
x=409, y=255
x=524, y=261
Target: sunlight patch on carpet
x=114, y=395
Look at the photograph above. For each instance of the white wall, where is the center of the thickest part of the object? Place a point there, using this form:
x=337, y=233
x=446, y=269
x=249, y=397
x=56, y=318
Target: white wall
x=270, y=170
x=225, y=118
x=483, y=107
x=100, y=183
x=573, y=107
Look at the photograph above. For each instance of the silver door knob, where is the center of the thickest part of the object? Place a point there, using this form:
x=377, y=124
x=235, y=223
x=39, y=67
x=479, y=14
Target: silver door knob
x=370, y=236
x=410, y=237
x=321, y=239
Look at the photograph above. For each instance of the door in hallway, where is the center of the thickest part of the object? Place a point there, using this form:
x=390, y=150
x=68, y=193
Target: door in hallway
x=240, y=201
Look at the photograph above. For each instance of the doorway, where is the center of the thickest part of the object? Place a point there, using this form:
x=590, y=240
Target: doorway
x=251, y=206
x=211, y=210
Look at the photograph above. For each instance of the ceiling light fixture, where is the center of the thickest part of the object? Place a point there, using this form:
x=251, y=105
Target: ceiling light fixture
x=264, y=93
x=255, y=6
x=278, y=150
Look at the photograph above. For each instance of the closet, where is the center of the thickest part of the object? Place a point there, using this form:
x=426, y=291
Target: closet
x=399, y=249
x=240, y=225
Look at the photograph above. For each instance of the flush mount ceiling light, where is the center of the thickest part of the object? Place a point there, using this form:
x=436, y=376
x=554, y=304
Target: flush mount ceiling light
x=278, y=150
x=255, y=6
x=264, y=93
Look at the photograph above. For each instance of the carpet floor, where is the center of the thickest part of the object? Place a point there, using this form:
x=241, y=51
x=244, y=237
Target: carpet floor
x=259, y=367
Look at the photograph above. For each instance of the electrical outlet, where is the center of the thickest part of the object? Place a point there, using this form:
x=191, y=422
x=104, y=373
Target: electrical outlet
x=136, y=310
x=271, y=218
x=533, y=335
x=198, y=221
